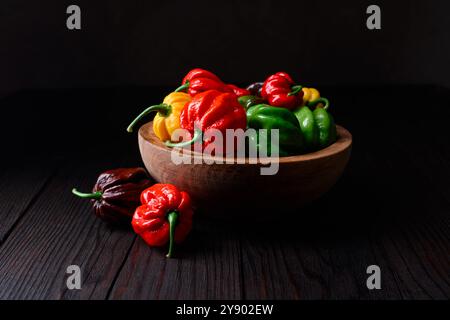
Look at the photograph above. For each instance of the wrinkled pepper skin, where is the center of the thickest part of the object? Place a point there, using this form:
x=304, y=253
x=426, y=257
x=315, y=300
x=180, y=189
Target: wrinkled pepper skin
x=238, y=91
x=200, y=73
x=164, y=216
x=310, y=95
x=263, y=116
x=200, y=80
x=212, y=109
x=167, y=120
x=165, y=124
x=249, y=101
x=280, y=91
x=318, y=127
x=116, y=194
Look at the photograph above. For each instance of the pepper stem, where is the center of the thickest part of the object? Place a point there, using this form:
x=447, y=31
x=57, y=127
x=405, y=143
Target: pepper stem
x=183, y=87
x=314, y=103
x=195, y=138
x=172, y=217
x=94, y=195
x=295, y=90
x=163, y=108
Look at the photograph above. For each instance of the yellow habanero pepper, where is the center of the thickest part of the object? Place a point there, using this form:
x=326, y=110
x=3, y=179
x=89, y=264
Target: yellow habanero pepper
x=310, y=95
x=167, y=120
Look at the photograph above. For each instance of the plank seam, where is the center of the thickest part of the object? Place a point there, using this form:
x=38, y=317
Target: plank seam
x=28, y=207
x=119, y=270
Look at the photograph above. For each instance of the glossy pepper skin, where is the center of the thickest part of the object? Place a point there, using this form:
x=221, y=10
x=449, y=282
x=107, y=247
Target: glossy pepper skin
x=200, y=80
x=280, y=91
x=263, y=116
x=310, y=95
x=211, y=109
x=249, y=101
x=317, y=125
x=167, y=120
x=255, y=88
x=164, y=216
x=116, y=194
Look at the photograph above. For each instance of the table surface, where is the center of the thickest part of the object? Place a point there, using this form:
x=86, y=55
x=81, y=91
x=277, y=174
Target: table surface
x=390, y=208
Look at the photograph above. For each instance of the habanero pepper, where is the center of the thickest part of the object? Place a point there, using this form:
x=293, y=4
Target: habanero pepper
x=211, y=109
x=116, y=194
x=310, y=95
x=200, y=80
x=164, y=216
x=318, y=126
x=167, y=120
x=255, y=88
x=263, y=116
x=249, y=101
x=280, y=91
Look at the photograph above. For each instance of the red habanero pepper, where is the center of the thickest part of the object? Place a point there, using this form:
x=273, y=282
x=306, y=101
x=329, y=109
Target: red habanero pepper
x=211, y=109
x=200, y=80
x=279, y=90
x=164, y=216
x=238, y=91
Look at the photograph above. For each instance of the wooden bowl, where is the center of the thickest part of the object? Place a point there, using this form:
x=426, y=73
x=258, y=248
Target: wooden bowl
x=239, y=189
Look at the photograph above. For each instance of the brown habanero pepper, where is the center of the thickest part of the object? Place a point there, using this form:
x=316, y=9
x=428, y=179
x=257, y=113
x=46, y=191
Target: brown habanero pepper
x=116, y=195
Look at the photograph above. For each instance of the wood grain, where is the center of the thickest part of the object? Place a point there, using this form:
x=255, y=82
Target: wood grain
x=206, y=267
x=20, y=185
x=59, y=230
x=391, y=208
x=326, y=257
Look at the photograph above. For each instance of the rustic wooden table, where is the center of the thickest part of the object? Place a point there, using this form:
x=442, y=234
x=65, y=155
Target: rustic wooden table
x=391, y=208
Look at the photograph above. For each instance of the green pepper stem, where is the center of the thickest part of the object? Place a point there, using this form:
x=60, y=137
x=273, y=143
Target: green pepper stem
x=163, y=108
x=94, y=195
x=195, y=138
x=183, y=87
x=295, y=90
x=314, y=103
x=172, y=217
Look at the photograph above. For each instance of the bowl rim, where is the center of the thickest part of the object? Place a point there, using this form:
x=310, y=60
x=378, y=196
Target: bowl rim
x=343, y=143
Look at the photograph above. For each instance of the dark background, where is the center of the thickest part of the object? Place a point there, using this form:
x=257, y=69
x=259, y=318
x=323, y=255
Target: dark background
x=157, y=42
x=61, y=89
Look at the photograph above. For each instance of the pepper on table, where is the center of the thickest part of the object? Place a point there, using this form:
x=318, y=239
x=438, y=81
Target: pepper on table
x=167, y=120
x=116, y=193
x=317, y=125
x=164, y=216
x=211, y=109
x=280, y=91
x=200, y=80
x=263, y=116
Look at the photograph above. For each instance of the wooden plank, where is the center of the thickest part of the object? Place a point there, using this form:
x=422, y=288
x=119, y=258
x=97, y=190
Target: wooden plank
x=381, y=216
x=419, y=181
x=390, y=209
x=59, y=230
x=20, y=184
x=208, y=267
x=323, y=253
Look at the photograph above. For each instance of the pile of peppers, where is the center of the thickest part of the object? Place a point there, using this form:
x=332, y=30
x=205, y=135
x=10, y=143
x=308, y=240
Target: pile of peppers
x=203, y=101
x=161, y=213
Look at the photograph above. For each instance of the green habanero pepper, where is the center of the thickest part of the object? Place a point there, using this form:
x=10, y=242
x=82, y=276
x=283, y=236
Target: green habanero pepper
x=249, y=101
x=318, y=126
x=263, y=116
